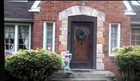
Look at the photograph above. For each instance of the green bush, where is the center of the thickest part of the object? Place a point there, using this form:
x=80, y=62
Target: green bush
x=34, y=65
x=128, y=61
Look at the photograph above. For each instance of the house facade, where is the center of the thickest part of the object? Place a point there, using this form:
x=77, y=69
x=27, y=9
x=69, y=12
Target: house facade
x=90, y=30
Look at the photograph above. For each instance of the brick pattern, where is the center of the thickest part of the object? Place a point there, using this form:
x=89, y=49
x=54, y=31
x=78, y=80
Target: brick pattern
x=113, y=13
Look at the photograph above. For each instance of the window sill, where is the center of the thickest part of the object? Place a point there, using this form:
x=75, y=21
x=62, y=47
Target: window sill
x=111, y=57
x=14, y=52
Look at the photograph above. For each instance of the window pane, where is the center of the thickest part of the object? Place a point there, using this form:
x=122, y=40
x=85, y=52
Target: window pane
x=114, y=28
x=23, y=37
x=137, y=32
x=49, y=41
x=138, y=37
x=114, y=37
x=49, y=46
x=49, y=38
x=137, y=42
x=49, y=26
x=49, y=34
x=132, y=31
x=135, y=36
x=132, y=42
x=9, y=36
x=114, y=42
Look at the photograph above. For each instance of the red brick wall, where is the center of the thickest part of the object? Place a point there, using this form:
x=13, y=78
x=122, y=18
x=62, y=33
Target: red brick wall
x=114, y=12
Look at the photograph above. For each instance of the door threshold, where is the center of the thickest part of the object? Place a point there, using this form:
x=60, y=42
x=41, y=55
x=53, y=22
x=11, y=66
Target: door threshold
x=83, y=70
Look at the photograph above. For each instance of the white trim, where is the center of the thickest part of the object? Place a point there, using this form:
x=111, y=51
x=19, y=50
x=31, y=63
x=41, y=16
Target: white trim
x=135, y=22
x=18, y=19
x=45, y=36
x=53, y=37
x=36, y=3
x=129, y=13
x=134, y=26
x=129, y=10
x=118, y=37
x=35, y=7
x=16, y=26
x=34, y=10
x=109, y=37
x=30, y=37
x=135, y=3
x=16, y=37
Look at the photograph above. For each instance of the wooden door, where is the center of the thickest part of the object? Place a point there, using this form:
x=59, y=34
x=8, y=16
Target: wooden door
x=82, y=47
x=82, y=35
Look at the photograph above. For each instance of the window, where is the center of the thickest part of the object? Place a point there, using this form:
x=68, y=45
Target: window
x=23, y=36
x=114, y=37
x=17, y=37
x=135, y=36
x=49, y=36
x=9, y=36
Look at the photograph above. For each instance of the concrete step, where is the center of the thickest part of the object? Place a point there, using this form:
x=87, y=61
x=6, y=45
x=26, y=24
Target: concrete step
x=81, y=79
x=83, y=76
x=77, y=79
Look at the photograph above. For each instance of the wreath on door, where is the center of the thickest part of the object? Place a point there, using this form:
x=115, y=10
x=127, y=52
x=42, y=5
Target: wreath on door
x=81, y=34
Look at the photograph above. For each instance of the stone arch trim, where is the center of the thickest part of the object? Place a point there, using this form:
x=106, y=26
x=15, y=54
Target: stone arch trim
x=83, y=10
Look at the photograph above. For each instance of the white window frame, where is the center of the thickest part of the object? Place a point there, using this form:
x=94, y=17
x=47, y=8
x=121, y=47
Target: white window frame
x=118, y=37
x=133, y=26
x=16, y=35
x=45, y=36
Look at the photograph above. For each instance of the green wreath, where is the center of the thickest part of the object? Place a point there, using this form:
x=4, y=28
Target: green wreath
x=81, y=35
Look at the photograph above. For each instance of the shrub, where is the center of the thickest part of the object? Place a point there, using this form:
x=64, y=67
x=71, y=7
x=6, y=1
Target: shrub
x=34, y=65
x=128, y=61
x=7, y=52
x=8, y=76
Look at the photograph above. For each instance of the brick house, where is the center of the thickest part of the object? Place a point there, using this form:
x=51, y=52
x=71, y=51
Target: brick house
x=54, y=25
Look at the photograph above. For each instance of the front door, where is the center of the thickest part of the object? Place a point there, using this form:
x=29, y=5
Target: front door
x=82, y=44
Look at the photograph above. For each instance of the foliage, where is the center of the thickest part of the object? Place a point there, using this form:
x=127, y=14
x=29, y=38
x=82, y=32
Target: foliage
x=128, y=61
x=34, y=65
x=81, y=34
